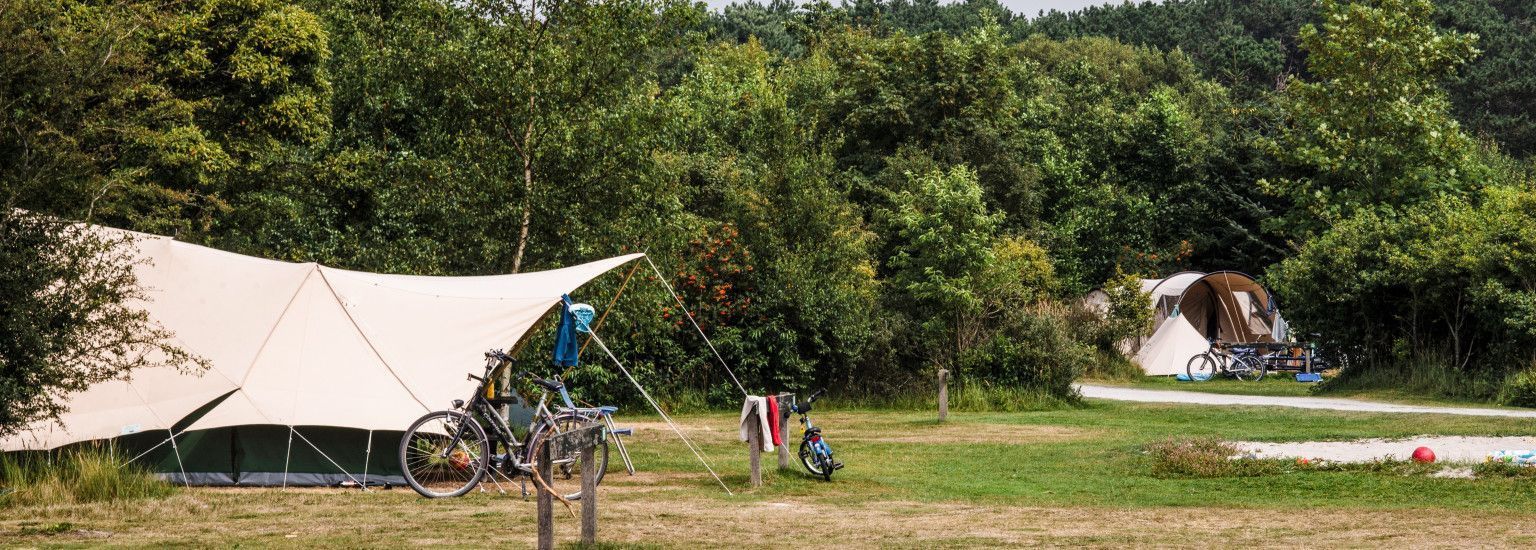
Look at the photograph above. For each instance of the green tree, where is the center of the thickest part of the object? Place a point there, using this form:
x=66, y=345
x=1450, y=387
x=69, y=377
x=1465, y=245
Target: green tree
x=1493, y=93
x=543, y=72
x=67, y=320
x=763, y=194
x=1436, y=297
x=939, y=237
x=1373, y=127
x=153, y=115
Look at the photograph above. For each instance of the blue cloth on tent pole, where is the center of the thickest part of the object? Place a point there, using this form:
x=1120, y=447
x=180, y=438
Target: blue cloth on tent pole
x=567, y=352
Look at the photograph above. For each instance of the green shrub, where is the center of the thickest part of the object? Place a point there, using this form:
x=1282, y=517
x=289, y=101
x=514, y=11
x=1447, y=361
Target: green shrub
x=81, y=475
x=1206, y=457
x=1036, y=353
x=1428, y=373
x=1123, y=318
x=1520, y=389
x=1433, y=298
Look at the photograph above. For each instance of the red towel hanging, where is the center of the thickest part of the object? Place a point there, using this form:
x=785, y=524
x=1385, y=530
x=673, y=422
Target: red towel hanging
x=773, y=419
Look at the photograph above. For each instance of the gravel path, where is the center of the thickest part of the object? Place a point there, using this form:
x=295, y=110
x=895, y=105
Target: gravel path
x=1329, y=403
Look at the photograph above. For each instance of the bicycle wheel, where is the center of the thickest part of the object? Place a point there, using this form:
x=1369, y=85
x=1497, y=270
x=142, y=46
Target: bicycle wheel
x=1201, y=367
x=431, y=467
x=812, y=460
x=1248, y=368
x=566, y=471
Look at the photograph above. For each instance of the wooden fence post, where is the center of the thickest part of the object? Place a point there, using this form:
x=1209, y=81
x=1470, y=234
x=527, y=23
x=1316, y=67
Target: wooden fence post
x=583, y=441
x=546, y=502
x=755, y=439
x=783, y=421
x=589, y=496
x=943, y=395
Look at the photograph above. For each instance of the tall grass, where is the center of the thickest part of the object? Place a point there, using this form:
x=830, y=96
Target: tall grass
x=1424, y=373
x=973, y=397
x=75, y=476
x=1113, y=365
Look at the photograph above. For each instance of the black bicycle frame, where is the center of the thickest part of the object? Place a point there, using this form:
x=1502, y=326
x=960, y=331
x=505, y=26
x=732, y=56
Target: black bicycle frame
x=479, y=404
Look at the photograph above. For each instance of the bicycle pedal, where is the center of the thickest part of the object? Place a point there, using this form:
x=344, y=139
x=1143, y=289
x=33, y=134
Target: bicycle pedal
x=837, y=465
x=623, y=431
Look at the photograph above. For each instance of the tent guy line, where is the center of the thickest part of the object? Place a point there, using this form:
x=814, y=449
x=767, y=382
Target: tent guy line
x=664, y=416
x=663, y=279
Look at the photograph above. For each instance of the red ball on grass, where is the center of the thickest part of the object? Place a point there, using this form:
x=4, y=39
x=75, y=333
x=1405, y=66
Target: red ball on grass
x=1423, y=454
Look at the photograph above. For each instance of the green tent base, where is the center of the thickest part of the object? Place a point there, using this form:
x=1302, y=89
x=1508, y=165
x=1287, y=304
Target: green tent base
x=268, y=456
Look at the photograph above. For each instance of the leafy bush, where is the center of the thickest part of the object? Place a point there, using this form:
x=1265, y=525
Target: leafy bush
x=1109, y=330
x=1436, y=295
x=87, y=474
x=1206, y=457
x=1035, y=352
x=1520, y=389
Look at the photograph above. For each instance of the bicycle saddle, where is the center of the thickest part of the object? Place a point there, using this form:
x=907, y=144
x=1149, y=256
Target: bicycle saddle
x=551, y=385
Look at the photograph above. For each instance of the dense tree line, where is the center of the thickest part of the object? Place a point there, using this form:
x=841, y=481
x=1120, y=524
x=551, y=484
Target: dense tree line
x=848, y=195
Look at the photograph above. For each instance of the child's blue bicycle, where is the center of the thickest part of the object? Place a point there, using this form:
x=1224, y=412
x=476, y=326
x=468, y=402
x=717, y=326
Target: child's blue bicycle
x=815, y=454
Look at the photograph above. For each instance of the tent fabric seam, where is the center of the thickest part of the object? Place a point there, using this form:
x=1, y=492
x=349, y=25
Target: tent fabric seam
x=371, y=347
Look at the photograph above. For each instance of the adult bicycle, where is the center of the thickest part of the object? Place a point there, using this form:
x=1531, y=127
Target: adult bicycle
x=448, y=453
x=1222, y=359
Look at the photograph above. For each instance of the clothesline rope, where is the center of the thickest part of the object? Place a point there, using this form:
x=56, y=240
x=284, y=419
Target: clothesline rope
x=663, y=279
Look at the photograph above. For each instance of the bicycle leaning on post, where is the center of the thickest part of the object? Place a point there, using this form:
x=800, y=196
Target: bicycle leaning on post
x=448, y=453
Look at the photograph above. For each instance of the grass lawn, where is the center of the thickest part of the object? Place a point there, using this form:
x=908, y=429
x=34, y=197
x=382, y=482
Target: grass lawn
x=1065, y=477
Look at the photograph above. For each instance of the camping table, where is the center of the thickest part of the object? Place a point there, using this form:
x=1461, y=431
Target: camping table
x=1282, y=362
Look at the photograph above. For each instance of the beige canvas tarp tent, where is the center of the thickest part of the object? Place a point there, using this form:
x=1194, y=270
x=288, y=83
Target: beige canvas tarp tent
x=308, y=363
x=1191, y=308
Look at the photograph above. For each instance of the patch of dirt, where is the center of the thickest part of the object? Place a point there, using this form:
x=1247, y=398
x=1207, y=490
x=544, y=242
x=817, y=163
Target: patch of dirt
x=927, y=524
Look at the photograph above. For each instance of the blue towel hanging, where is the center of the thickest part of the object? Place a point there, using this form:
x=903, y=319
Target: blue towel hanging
x=567, y=352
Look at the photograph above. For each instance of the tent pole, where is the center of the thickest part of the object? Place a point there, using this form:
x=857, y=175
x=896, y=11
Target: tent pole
x=288, y=456
x=615, y=300
x=367, y=454
x=179, y=465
